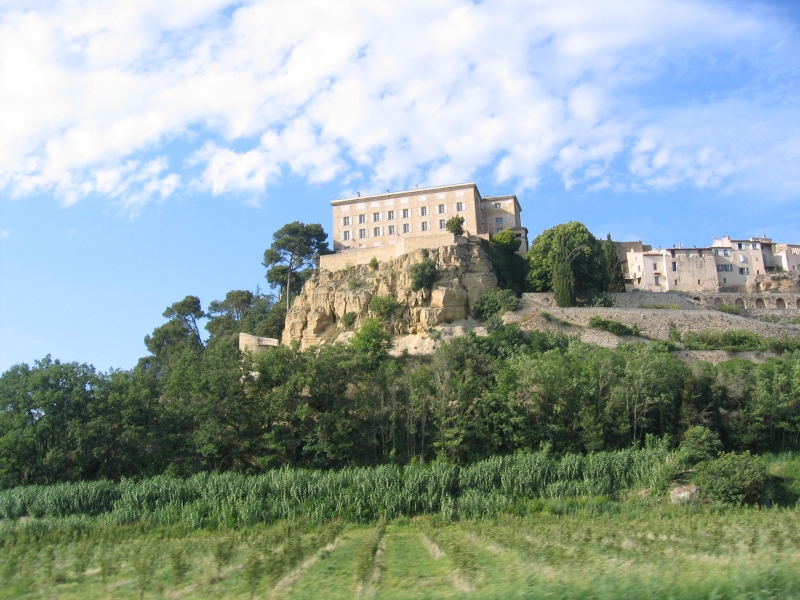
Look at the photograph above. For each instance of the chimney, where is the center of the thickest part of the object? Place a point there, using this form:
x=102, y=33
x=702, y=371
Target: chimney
x=358, y=194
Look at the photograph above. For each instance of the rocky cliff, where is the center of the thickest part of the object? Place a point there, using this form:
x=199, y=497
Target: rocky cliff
x=463, y=274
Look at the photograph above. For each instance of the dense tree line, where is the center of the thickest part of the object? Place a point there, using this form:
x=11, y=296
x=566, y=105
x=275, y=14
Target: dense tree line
x=195, y=406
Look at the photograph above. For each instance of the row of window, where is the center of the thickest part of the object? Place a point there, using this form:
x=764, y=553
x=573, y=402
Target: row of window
x=391, y=230
x=405, y=214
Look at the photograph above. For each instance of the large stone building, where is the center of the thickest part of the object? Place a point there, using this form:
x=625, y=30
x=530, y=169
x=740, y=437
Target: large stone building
x=727, y=265
x=391, y=224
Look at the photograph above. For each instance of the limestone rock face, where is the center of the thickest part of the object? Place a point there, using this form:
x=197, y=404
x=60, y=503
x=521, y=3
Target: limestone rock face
x=463, y=274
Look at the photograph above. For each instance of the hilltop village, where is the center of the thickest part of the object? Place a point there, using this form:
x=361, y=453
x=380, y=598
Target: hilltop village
x=733, y=284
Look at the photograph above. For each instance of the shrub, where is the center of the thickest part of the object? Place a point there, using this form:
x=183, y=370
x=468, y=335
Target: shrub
x=383, y=305
x=354, y=283
x=371, y=339
x=455, y=225
x=374, y=264
x=492, y=302
x=348, y=319
x=614, y=327
x=733, y=478
x=507, y=240
x=601, y=300
x=699, y=444
x=731, y=310
x=423, y=274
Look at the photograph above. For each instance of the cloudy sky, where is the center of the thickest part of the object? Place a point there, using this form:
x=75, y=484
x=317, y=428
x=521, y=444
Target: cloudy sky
x=149, y=149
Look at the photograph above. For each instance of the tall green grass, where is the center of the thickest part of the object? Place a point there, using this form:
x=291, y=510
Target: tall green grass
x=355, y=495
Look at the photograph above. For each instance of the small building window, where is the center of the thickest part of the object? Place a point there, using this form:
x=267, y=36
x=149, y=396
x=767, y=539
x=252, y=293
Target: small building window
x=724, y=280
x=497, y=205
x=405, y=213
x=742, y=258
x=345, y=235
x=657, y=280
x=376, y=217
x=424, y=226
x=406, y=227
x=498, y=219
x=459, y=206
x=362, y=233
x=345, y=221
x=674, y=266
x=362, y=219
x=442, y=209
x=423, y=211
x=744, y=271
x=376, y=232
x=390, y=230
x=442, y=223
x=390, y=215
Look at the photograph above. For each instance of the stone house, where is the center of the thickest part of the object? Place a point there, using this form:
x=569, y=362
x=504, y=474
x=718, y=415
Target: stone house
x=728, y=265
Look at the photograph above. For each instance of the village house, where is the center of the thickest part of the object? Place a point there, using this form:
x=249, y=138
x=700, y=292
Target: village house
x=727, y=265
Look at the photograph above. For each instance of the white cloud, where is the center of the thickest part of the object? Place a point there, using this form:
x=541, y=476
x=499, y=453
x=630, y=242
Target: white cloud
x=5, y=234
x=645, y=95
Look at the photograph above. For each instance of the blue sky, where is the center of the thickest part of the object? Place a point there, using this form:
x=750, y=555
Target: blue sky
x=150, y=149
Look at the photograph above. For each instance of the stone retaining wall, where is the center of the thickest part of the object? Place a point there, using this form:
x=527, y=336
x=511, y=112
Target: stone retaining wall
x=693, y=301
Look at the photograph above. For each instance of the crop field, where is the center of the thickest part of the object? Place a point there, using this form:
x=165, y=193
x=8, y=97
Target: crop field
x=567, y=549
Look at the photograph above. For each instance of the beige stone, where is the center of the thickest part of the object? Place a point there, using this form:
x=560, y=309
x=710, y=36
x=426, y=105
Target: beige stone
x=464, y=273
x=254, y=343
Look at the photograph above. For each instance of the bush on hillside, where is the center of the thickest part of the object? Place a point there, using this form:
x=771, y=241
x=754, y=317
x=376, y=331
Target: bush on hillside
x=614, y=327
x=423, y=274
x=733, y=478
x=494, y=302
x=383, y=305
x=455, y=225
x=348, y=319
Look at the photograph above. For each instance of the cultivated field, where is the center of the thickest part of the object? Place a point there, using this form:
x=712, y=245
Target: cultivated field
x=567, y=549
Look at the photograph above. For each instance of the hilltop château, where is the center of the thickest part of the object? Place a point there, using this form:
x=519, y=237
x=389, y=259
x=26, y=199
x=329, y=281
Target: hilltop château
x=389, y=225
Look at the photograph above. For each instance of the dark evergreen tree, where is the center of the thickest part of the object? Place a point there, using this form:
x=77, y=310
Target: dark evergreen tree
x=616, y=281
x=563, y=278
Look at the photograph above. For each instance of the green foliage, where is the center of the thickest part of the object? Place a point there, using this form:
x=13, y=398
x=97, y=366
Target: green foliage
x=735, y=340
x=354, y=282
x=563, y=277
x=422, y=274
x=371, y=340
x=612, y=326
x=493, y=302
x=373, y=264
x=455, y=225
x=731, y=310
x=178, y=563
x=383, y=305
x=699, y=444
x=733, y=478
x=348, y=319
x=587, y=263
x=506, y=240
x=510, y=268
x=601, y=300
x=246, y=312
x=615, y=278
x=294, y=246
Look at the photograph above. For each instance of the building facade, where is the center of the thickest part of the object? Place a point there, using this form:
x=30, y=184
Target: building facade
x=727, y=265
x=376, y=221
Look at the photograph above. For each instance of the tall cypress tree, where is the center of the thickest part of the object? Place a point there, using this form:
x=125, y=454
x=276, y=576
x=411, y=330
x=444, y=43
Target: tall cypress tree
x=616, y=281
x=563, y=277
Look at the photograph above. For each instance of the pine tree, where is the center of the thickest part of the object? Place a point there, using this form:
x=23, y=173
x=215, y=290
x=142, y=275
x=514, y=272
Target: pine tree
x=563, y=277
x=616, y=281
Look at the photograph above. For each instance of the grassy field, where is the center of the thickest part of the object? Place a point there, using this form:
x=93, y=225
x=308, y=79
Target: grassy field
x=567, y=550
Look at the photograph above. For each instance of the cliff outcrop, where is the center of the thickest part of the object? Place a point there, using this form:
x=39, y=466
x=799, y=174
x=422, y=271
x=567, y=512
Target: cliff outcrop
x=463, y=271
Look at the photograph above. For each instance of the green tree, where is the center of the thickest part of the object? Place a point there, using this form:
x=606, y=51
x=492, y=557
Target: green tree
x=587, y=263
x=616, y=280
x=455, y=225
x=563, y=277
x=372, y=340
x=507, y=240
x=294, y=246
x=423, y=274
x=246, y=312
x=180, y=333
